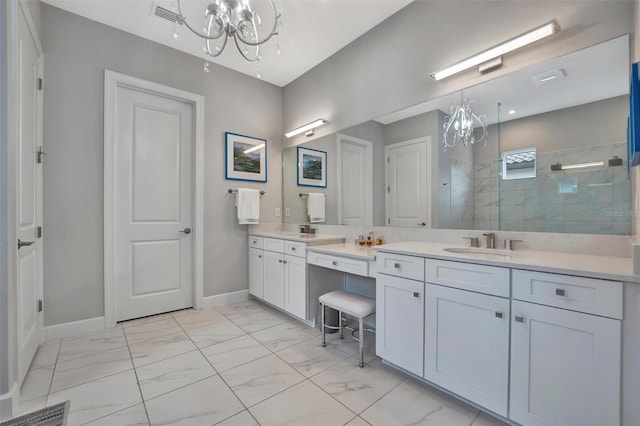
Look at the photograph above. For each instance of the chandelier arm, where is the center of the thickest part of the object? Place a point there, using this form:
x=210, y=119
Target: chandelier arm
x=484, y=126
x=215, y=55
x=447, y=126
x=235, y=38
x=272, y=32
x=190, y=28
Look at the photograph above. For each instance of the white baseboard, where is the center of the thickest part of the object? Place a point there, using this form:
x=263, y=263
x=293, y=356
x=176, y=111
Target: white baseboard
x=225, y=299
x=71, y=329
x=9, y=402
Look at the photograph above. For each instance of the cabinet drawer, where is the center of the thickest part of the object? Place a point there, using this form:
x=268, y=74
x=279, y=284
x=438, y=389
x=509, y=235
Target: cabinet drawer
x=467, y=276
x=400, y=266
x=256, y=242
x=294, y=249
x=344, y=264
x=274, y=244
x=592, y=296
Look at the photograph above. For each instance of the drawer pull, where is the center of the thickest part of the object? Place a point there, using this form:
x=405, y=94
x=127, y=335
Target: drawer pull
x=284, y=261
x=519, y=318
x=416, y=294
x=499, y=315
x=255, y=242
x=259, y=256
x=293, y=249
x=279, y=260
x=396, y=265
x=560, y=292
x=334, y=263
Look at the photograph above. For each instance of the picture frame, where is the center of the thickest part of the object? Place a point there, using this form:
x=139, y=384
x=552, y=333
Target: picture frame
x=312, y=167
x=245, y=158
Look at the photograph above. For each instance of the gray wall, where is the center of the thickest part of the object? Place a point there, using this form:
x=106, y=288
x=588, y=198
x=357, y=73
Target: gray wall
x=77, y=51
x=388, y=68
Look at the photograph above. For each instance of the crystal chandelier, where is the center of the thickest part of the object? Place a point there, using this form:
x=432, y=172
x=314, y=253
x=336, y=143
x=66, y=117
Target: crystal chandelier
x=461, y=125
x=236, y=20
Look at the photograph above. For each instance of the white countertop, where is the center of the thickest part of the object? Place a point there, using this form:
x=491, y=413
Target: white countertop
x=605, y=267
x=310, y=239
x=348, y=250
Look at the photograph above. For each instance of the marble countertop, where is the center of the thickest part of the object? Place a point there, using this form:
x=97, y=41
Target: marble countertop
x=348, y=250
x=605, y=267
x=310, y=239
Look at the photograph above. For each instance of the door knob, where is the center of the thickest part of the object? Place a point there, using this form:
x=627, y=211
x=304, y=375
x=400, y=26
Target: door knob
x=186, y=231
x=23, y=243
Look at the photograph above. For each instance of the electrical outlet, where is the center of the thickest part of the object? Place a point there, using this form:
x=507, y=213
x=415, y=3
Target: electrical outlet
x=277, y=212
x=287, y=212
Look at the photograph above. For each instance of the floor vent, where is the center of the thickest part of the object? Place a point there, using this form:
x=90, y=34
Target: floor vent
x=56, y=415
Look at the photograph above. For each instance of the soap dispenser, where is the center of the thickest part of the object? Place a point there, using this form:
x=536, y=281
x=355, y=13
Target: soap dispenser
x=370, y=238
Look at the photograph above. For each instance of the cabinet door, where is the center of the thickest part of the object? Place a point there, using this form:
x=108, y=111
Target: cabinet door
x=256, y=272
x=400, y=322
x=565, y=367
x=274, y=278
x=466, y=346
x=295, y=286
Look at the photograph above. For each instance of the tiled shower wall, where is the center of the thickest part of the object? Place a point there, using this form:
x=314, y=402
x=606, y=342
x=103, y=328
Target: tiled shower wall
x=590, y=201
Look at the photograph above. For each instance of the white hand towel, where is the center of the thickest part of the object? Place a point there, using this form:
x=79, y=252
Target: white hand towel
x=315, y=207
x=248, y=202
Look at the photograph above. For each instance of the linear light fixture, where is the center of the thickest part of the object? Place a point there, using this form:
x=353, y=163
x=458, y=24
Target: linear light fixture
x=309, y=126
x=499, y=50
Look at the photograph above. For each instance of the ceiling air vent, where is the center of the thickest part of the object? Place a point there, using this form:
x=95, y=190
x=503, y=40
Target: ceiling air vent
x=165, y=13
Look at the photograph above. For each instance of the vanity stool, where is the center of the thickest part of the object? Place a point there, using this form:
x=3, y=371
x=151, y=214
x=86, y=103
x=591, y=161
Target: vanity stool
x=353, y=305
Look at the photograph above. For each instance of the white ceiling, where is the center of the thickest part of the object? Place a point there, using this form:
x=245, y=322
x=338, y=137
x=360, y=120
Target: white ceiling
x=313, y=30
x=592, y=74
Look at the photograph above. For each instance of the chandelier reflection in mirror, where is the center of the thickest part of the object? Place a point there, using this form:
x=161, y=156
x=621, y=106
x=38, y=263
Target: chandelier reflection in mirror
x=237, y=20
x=463, y=125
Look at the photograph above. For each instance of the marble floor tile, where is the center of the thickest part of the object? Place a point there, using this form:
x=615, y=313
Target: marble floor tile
x=93, y=400
x=215, y=333
x=356, y=387
x=151, y=330
x=91, y=367
x=242, y=419
x=303, y=404
x=242, y=308
x=409, y=404
x=173, y=373
x=232, y=353
x=310, y=358
x=203, y=403
x=36, y=383
x=144, y=320
x=486, y=420
x=160, y=348
x=192, y=318
x=260, y=379
x=358, y=421
x=281, y=336
x=91, y=344
x=132, y=416
x=255, y=321
x=47, y=354
x=34, y=404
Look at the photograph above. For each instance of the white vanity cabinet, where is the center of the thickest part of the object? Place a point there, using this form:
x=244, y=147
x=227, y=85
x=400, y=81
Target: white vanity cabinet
x=274, y=278
x=256, y=272
x=565, y=364
x=400, y=311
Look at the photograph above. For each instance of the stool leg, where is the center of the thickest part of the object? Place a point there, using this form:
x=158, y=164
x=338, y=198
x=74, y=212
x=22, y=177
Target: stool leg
x=361, y=342
x=324, y=339
x=340, y=324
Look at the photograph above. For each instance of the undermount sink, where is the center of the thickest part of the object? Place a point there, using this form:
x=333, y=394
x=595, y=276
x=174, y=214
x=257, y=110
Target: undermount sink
x=481, y=252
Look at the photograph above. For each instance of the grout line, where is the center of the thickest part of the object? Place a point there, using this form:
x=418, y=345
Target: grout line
x=136, y=374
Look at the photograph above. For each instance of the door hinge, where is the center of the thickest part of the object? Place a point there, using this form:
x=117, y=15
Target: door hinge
x=389, y=221
x=41, y=154
x=39, y=231
x=40, y=83
x=388, y=160
x=388, y=189
x=40, y=305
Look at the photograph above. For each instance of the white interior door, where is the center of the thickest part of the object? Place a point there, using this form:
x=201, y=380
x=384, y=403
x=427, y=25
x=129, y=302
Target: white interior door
x=355, y=181
x=28, y=197
x=408, y=198
x=153, y=156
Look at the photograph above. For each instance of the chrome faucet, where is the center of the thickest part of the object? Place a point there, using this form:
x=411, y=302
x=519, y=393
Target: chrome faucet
x=510, y=244
x=491, y=240
x=305, y=229
x=473, y=241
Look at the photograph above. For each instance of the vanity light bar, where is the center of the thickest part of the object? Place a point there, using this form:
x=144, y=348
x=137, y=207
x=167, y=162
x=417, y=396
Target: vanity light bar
x=499, y=50
x=309, y=126
x=558, y=166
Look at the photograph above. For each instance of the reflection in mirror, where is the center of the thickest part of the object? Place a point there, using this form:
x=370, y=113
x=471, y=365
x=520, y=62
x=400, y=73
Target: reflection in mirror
x=569, y=110
x=519, y=164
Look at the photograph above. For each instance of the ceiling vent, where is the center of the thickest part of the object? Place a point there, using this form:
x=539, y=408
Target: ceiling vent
x=548, y=77
x=165, y=13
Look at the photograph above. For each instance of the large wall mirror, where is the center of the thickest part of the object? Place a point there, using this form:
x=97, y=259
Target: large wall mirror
x=554, y=159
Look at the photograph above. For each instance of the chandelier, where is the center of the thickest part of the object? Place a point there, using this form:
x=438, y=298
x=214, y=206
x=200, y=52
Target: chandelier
x=463, y=123
x=236, y=20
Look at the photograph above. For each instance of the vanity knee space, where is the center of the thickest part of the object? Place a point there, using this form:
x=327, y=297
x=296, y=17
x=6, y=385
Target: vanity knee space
x=533, y=347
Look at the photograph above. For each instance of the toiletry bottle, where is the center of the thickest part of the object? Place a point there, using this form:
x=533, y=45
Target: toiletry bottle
x=379, y=241
x=370, y=238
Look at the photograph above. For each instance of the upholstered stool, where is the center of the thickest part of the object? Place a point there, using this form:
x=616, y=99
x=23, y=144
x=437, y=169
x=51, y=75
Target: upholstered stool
x=353, y=305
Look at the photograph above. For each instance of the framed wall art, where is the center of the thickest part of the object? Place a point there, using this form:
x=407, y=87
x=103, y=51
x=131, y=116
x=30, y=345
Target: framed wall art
x=312, y=167
x=246, y=158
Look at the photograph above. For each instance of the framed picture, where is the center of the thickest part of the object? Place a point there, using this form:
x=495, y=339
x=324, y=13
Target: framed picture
x=312, y=167
x=246, y=157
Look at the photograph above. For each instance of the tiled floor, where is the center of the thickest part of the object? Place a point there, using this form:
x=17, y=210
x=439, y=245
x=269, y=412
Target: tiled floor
x=242, y=364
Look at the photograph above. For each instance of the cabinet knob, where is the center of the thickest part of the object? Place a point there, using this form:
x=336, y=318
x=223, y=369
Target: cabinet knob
x=416, y=294
x=334, y=263
x=259, y=256
x=293, y=249
x=279, y=260
x=284, y=261
x=255, y=242
x=499, y=315
x=396, y=265
x=560, y=292
x=519, y=318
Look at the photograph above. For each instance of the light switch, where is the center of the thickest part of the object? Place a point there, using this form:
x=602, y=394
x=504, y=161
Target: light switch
x=277, y=212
